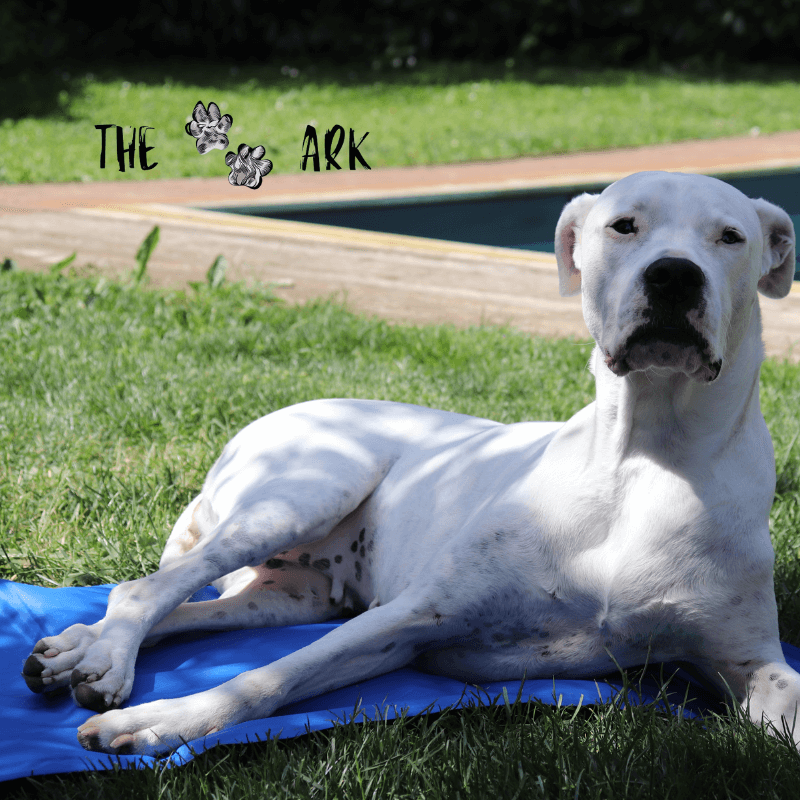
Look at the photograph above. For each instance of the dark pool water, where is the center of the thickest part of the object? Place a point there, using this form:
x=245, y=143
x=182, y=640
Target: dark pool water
x=520, y=219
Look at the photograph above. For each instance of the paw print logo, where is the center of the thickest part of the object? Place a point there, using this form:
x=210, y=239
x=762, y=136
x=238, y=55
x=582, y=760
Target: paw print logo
x=209, y=128
x=247, y=166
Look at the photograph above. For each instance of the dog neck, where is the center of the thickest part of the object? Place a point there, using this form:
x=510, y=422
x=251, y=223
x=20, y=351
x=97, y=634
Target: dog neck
x=673, y=417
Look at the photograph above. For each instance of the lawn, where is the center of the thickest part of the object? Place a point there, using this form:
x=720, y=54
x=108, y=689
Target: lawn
x=431, y=114
x=116, y=400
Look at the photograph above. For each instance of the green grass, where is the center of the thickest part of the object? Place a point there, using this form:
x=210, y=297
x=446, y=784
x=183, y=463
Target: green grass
x=430, y=115
x=528, y=751
x=115, y=401
x=127, y=397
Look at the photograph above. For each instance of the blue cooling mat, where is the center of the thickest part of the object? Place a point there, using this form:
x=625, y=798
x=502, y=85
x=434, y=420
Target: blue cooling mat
x=38, y=735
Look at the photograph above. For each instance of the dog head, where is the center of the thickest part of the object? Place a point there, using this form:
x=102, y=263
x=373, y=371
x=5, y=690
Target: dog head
x=669, y=266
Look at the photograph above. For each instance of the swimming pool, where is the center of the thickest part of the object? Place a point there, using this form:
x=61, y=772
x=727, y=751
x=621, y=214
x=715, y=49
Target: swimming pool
x=523, y=219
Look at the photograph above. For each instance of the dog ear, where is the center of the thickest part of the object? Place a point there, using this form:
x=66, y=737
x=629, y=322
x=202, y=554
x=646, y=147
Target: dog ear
x=778, y=266
x=567, y=234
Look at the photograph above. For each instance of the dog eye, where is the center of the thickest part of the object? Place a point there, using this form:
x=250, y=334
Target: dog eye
x=624, y=226
x=730, y=236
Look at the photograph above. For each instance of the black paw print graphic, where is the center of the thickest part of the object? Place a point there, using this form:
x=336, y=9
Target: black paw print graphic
x=247, y=166
x=209, y=128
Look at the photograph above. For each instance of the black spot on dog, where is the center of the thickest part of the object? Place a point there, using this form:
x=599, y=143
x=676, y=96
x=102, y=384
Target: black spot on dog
x=775, y=237
x=774, y=676
x=31, y=672
x=389, y=647
x=321, y=563
x=736, y=600
x=437, y=618
x=220, y=614
x=267, y=583
x=358, y=570
x=338, y=559
x=252, y=606
x=362, y=552
x=273, y=563
x=782, y=684
x=88, y=697
x=77, y=677
x=33, y=667
x=331, y=601
x=296, y=596
x=361, y=535
x=545, y=653
x=304, y=560
x=354, y=547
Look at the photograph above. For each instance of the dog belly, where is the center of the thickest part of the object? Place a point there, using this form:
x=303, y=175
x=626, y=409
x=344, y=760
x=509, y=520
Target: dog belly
x=518, y=633
x=579, y=654
x=345, y=555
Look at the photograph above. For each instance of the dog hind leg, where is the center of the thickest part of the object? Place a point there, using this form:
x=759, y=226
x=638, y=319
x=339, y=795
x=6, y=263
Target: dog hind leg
x=267, y=521
x=261, y=598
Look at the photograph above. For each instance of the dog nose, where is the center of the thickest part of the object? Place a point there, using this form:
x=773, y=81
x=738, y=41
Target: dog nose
x=674, y=280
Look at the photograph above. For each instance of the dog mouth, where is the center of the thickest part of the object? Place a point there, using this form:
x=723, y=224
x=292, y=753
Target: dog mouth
x=673, y=347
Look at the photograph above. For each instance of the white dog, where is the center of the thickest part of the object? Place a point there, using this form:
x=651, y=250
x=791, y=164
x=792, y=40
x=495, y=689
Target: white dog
x=638, y=529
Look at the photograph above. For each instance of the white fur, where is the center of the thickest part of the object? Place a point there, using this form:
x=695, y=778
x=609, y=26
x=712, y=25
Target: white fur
x=638, y=529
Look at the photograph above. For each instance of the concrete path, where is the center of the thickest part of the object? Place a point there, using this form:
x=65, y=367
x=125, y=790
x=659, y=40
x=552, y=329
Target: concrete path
x=397, y=277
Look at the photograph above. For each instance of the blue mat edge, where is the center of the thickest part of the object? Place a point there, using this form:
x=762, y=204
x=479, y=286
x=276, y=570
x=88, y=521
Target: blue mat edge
x=602, y=690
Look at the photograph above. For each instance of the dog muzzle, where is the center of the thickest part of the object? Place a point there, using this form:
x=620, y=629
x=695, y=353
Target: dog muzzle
x=673, y=288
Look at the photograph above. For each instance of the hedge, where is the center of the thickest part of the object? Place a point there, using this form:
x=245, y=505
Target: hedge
x=573, y=32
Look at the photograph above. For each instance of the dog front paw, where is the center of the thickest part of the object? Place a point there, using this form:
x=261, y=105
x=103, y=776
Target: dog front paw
x=51, y=663
x=152, y=729
x=103, y=679
x=96, y=698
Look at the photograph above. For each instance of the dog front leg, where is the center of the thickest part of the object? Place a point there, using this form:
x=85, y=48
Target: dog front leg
x=773, y=698
x=371, y=644
x=98, y=660
x=765, y=687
